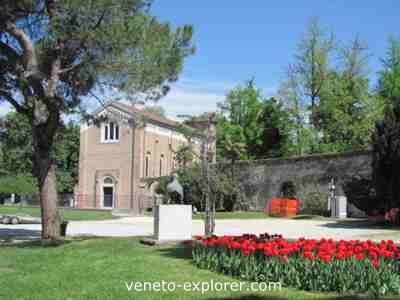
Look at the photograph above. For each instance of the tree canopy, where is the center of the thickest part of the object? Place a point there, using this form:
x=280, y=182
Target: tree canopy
x=53, y=54
x=328, y=94
x=251, y=126
x=17, y=148
x=386, y=137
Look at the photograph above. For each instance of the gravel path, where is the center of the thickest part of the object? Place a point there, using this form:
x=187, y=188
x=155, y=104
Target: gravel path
x=143, y=226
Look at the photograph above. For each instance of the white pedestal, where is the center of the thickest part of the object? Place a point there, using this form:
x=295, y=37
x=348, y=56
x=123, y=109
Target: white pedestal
x=173, y=222
x=341, y=207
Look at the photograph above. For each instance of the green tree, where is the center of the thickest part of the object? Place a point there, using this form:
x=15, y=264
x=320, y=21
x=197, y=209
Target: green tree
x=276, y=130
x=386, y=138
x=312, y=65
x=232, y=148
x=21, y=184
x=16, y=144
x=386, y=158
x=66, y=156
x=231, y=144
x=261, y=126
x=389, y=77
x=289, y=94
x=242, y=108
x=301, y=91
x=330, y=105
x=54, y=53
x=347, y=110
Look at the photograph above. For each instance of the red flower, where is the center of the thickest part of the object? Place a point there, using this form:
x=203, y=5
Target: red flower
x=325, y=250
x=340, y=255
x=375, y=263
x=284, y=258
x=360, y=256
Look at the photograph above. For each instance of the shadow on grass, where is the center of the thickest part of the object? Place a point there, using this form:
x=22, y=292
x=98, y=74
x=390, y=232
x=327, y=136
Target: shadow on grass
x=304, y=217
x=178, y=251
x=38, y=243
x=270, y=297
x=358, y=224
x=10, y=236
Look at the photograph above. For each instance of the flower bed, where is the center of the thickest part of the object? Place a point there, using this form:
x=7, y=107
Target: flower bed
x=391, y=217
x=308, y=264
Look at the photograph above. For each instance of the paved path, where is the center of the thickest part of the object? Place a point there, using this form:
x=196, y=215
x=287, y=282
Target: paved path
x=143, y=226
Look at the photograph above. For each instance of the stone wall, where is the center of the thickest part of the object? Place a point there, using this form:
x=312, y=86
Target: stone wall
x=262, y=179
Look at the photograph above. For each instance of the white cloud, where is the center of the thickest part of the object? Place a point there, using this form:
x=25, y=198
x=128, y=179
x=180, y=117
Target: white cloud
x=192, y=102
x=194, y=97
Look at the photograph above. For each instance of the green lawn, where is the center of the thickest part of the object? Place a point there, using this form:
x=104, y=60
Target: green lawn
x=99, y=268
x=236, y=215
x=68, y=214
x=255, y=215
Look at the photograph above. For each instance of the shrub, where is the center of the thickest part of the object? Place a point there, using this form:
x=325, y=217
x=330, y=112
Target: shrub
x=314, y=200
x=386, y=158
x=361, y=193
x=312, y=265
x=315, y=203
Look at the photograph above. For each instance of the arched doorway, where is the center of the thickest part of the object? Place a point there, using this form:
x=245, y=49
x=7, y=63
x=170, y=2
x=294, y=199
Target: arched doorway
x=108, y=192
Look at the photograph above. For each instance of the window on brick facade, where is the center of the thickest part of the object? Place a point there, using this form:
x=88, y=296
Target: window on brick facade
x=110, y=133
x=147, y=165
x=161, y=164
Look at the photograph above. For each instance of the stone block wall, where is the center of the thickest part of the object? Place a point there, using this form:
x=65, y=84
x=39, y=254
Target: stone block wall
x=262, y=180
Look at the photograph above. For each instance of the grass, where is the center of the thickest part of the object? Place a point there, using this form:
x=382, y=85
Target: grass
x=99, y=268
x=68, y=214
x=236, y=215
x=247, y=215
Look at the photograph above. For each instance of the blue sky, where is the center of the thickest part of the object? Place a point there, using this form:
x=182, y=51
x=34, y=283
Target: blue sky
x=237, y=40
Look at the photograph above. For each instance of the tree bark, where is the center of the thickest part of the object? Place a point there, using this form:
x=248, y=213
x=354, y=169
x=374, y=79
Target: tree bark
x=47, y=183
x=48, y=203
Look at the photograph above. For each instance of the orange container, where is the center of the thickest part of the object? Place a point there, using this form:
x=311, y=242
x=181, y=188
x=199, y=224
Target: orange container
x=289, y=212
x=292, y=203
x=283, y=207
x=274, y=207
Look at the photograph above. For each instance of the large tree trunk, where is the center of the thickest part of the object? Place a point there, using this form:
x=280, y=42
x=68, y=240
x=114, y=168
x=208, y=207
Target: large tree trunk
x=48, y=196
x=43, y=107
x=48, y=203
x=46, y=177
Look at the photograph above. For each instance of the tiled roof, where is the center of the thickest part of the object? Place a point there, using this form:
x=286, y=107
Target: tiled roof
x=146, y=114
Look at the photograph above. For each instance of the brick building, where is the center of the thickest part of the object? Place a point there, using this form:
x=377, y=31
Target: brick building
x=128, y=146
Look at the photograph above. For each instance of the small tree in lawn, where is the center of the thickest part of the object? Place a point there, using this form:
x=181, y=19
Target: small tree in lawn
x=232, y=148
x=54, y=53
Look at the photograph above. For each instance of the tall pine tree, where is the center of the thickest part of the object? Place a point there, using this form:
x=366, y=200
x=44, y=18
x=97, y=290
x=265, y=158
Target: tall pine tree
x=54, y=53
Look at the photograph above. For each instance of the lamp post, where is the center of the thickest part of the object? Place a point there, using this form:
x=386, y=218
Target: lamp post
x=332, y=197
x=207, y=155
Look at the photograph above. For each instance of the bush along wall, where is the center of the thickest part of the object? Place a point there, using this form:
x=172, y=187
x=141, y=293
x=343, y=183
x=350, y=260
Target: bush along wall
x=351, y=267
